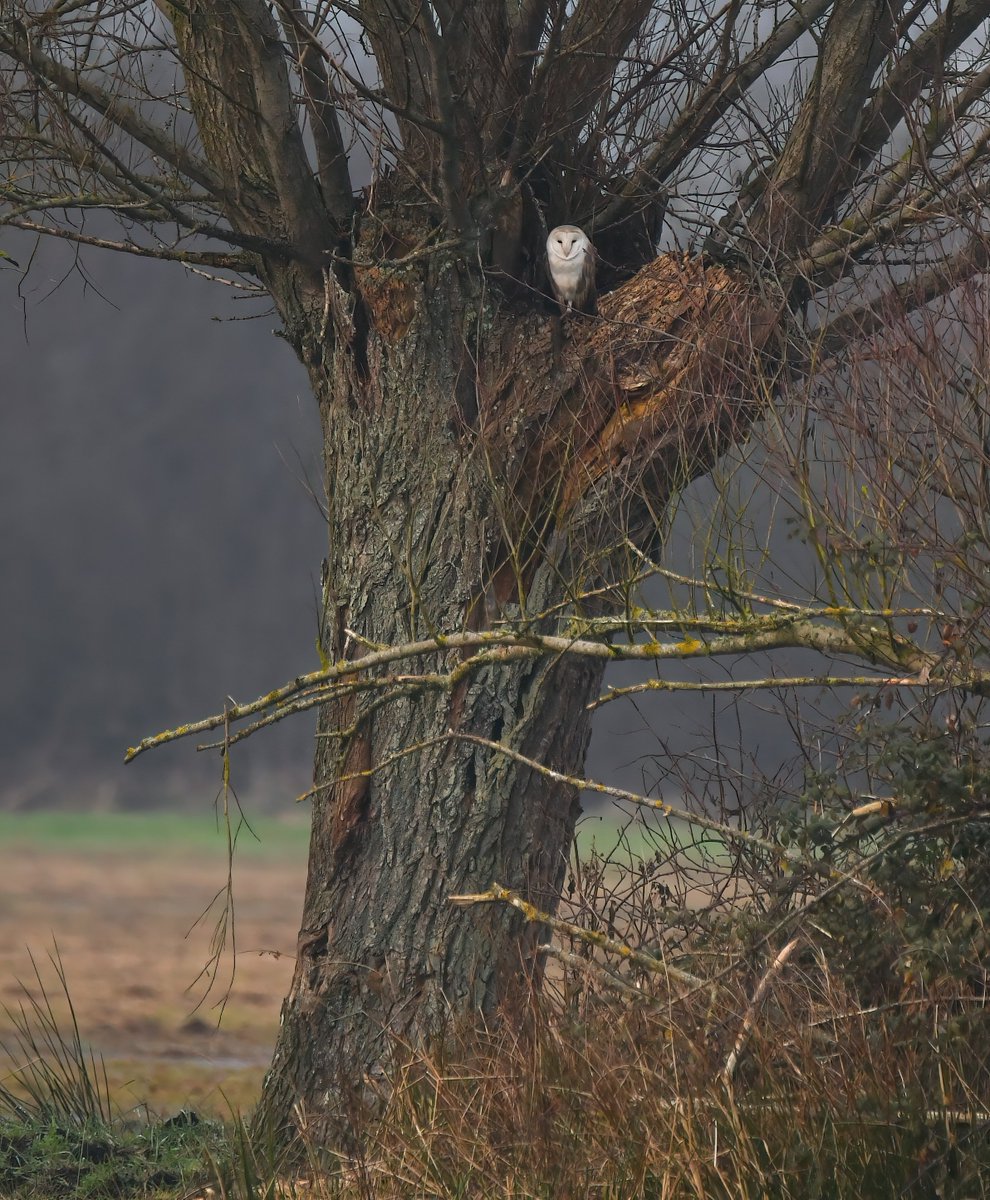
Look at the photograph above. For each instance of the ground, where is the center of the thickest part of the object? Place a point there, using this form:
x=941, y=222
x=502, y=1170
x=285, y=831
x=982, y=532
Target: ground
x=118, y=896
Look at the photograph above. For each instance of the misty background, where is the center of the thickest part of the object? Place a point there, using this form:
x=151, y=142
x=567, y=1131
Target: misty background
x=159, y=544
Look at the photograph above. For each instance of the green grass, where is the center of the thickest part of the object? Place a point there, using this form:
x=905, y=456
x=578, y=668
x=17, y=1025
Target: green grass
x=286, y=836
x=61, y=1135
x=52, y=1160
x=152, y=830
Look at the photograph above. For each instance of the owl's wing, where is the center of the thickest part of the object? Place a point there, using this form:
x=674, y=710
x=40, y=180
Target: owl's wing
x=587, y=297
x=548, y=279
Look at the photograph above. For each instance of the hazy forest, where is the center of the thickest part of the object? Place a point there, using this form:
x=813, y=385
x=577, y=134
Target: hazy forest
x=589, y=701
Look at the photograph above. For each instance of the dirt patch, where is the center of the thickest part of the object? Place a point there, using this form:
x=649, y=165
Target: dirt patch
x=123, y=924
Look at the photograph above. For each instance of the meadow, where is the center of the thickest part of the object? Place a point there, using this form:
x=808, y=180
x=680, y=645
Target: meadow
x=131, y=904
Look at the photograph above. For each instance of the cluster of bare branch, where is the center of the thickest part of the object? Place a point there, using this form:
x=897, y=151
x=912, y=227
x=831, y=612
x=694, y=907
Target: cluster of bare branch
x=835, y=632
x=254, y=128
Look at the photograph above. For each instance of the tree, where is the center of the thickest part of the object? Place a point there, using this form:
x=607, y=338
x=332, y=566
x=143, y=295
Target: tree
x=498, y=483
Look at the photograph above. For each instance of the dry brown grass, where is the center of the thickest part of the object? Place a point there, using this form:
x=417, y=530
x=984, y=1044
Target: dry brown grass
x=594, y=1097
x=593, y=1090
x=120, y=918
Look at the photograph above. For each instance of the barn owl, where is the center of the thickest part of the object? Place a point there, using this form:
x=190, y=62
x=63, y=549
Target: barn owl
x=571, y=261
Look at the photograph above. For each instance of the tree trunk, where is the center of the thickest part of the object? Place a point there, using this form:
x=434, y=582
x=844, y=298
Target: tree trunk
x=383, y=959
x=473, y=473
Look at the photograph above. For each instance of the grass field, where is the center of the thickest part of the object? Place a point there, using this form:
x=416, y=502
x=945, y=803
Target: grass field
x=119, y=897
x=201, y=833
x=580, y=1106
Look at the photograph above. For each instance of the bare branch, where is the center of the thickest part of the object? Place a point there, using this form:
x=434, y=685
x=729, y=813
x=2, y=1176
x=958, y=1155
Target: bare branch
x=764, y=684
x=396, y=33
x=15, y=42
x=520, y=60
x=592, y=43
x=729, y=1070
x=451, y=148
x=865, y=320
x=837, y=251
x=646, y=962
x=692, y=126
x=331, y=156
x=809, y=629
x=241, y=264
x=239, y=89
x=917, y=68
x=802, y=186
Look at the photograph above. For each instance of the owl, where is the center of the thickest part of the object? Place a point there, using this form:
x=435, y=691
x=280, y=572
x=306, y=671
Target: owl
x=571, y=263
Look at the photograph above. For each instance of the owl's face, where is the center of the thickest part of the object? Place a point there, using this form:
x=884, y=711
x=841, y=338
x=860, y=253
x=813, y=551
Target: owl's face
x=567, y=242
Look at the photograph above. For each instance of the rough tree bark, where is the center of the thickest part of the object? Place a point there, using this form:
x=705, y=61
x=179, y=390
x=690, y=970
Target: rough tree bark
x=468, y=479
x=381, y=954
